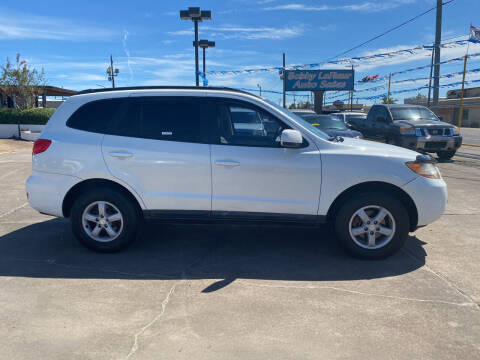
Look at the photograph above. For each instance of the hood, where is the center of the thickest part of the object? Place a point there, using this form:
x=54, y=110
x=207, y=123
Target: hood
x=423, y=123
x=367, y=147
x=343, y=133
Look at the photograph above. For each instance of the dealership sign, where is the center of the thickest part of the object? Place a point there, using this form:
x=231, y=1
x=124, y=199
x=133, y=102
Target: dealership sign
x=309, y=80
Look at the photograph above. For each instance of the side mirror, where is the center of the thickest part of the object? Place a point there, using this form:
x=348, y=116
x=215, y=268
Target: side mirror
x=291, y=138
x=440, y=117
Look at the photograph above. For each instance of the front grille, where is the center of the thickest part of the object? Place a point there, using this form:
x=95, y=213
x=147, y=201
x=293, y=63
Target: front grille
x=435, y=145
x=436, y=132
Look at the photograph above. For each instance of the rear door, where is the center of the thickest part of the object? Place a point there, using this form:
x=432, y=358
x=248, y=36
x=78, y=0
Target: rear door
x=159, y=146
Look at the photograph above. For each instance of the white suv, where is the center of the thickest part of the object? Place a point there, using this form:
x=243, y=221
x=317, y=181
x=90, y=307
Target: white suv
x=111, y=159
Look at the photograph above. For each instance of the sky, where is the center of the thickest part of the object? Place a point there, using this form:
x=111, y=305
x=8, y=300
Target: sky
x=72, y=40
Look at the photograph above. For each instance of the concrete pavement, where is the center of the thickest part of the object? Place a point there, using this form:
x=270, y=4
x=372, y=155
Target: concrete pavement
x=256, y=292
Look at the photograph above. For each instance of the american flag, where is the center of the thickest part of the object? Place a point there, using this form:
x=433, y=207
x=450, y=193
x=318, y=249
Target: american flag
x=474, y=33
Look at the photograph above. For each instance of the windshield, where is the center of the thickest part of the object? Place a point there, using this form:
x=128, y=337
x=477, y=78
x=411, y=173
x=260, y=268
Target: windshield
x=412, y=113
x=298, y=119
x=326, y=122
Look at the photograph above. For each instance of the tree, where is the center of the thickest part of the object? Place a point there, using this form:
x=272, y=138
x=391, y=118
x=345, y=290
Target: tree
x=386, y=100
x=21, y=83
x=420, y=97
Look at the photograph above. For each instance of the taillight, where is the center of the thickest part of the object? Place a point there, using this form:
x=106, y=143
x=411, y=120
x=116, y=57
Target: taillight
x=40, y=145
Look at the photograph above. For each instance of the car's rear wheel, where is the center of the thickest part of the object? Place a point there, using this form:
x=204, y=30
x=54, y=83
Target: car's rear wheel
x=372, y=225
x=104, y=220
x=446, y=155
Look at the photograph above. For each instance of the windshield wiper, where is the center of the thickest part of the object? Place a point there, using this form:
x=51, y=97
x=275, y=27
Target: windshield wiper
x=336, y=138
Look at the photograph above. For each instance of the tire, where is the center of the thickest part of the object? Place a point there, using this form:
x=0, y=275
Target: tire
x=356, y=241
x=446, y=155
x=100, y=234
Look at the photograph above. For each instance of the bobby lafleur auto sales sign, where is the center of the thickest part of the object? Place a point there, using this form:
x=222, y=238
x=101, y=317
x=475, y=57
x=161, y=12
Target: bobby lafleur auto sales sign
x=309, y=80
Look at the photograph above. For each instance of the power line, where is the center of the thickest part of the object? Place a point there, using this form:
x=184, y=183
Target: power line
x=389, y=30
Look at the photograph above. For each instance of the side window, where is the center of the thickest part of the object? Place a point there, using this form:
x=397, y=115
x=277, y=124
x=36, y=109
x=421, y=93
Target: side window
x=162, y=118
x=381, y=113
x=95, y=116
x=372, y=114
x=239, y=124
x=173, y=120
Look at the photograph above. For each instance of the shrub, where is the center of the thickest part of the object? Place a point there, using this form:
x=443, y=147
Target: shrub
x=35, y=116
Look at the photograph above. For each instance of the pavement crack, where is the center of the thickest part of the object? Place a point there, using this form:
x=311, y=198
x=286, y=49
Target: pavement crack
x=165, y=301
x=443, y=278
x=358, y=293
x=13, y=210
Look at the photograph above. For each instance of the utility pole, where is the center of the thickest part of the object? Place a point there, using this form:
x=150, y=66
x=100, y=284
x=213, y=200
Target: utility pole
x=351, y=94
x=260, y=88
x=111, y=72
x=430, y=79
x=438, y=41
x=460, y=115
x=284, y=83
x=389, y=83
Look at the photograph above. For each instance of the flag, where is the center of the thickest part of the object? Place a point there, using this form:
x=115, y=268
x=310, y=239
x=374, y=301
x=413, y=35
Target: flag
x=474, y=33
x=369, y=78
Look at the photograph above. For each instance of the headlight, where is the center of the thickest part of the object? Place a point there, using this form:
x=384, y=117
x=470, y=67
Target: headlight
x=456, y=131
x=407, y=130
x=425, y=169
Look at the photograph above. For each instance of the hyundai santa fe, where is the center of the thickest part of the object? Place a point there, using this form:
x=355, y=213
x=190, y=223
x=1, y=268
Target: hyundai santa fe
x=111, y=159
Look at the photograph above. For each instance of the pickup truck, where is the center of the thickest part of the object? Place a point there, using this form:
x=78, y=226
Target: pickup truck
x=410, y=126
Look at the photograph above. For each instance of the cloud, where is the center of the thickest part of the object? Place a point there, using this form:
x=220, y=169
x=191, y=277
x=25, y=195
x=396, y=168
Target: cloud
x=368, y=6
x=247, y=33
x=15, y=26
x=127, y=52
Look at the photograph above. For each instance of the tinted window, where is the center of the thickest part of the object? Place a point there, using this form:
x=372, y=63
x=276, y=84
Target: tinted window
x=381, y=113
x=412, y=113
x=170, y=119
x=239, y=124
x=95, y=116
x=326, y=122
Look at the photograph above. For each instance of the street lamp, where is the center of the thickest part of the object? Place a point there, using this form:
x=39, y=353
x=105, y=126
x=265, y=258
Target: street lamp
x=196, y=15
x=204, y=44
x=111, y=72
x=258, y=85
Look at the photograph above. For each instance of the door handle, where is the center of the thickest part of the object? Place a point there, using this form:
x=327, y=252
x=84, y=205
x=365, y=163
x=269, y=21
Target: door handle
x=120, y=154
x=227, y=163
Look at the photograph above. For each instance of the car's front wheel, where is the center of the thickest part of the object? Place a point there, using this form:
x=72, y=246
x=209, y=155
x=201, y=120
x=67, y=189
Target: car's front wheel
x=104, y=220
x=372, y=225
x=446, y=155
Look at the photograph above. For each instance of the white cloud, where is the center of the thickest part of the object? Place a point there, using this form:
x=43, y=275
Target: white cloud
x=14, y=26
x=247, y=33
x=368, y=6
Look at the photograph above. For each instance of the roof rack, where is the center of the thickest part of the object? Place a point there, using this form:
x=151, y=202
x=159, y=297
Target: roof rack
x=199, y=88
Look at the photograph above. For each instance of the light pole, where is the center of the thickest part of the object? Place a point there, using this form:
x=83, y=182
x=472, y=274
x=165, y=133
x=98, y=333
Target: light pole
x=196, y=15
x=111, y=72
x=258, y=85
x=204, y=44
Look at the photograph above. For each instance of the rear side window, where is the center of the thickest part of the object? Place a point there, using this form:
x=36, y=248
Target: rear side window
x=95, y=116
x=163, y=118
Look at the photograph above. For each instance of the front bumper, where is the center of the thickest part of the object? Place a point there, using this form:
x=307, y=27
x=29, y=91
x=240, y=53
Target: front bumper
x=430, y=197
x=46, y=191
x=431, y=143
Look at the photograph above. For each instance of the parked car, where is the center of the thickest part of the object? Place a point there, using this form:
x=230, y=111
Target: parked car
x=411, y=126
x=332, y=126
x=346, y=117
x=110, y=159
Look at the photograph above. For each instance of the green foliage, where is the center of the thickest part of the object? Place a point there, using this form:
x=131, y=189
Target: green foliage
x=385, y=100
x=420, y=97
x=20, y=82
x=36, y=116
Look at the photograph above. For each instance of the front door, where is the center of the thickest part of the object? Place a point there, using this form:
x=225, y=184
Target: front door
x=159, y=146
x=251, y=173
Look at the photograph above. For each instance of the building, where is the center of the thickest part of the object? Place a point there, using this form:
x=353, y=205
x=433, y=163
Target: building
x=41, y=99
x=449, y=108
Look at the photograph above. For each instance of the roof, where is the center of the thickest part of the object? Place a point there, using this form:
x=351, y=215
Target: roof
x=54, y=91
x=400, y=105
x=198, y=88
